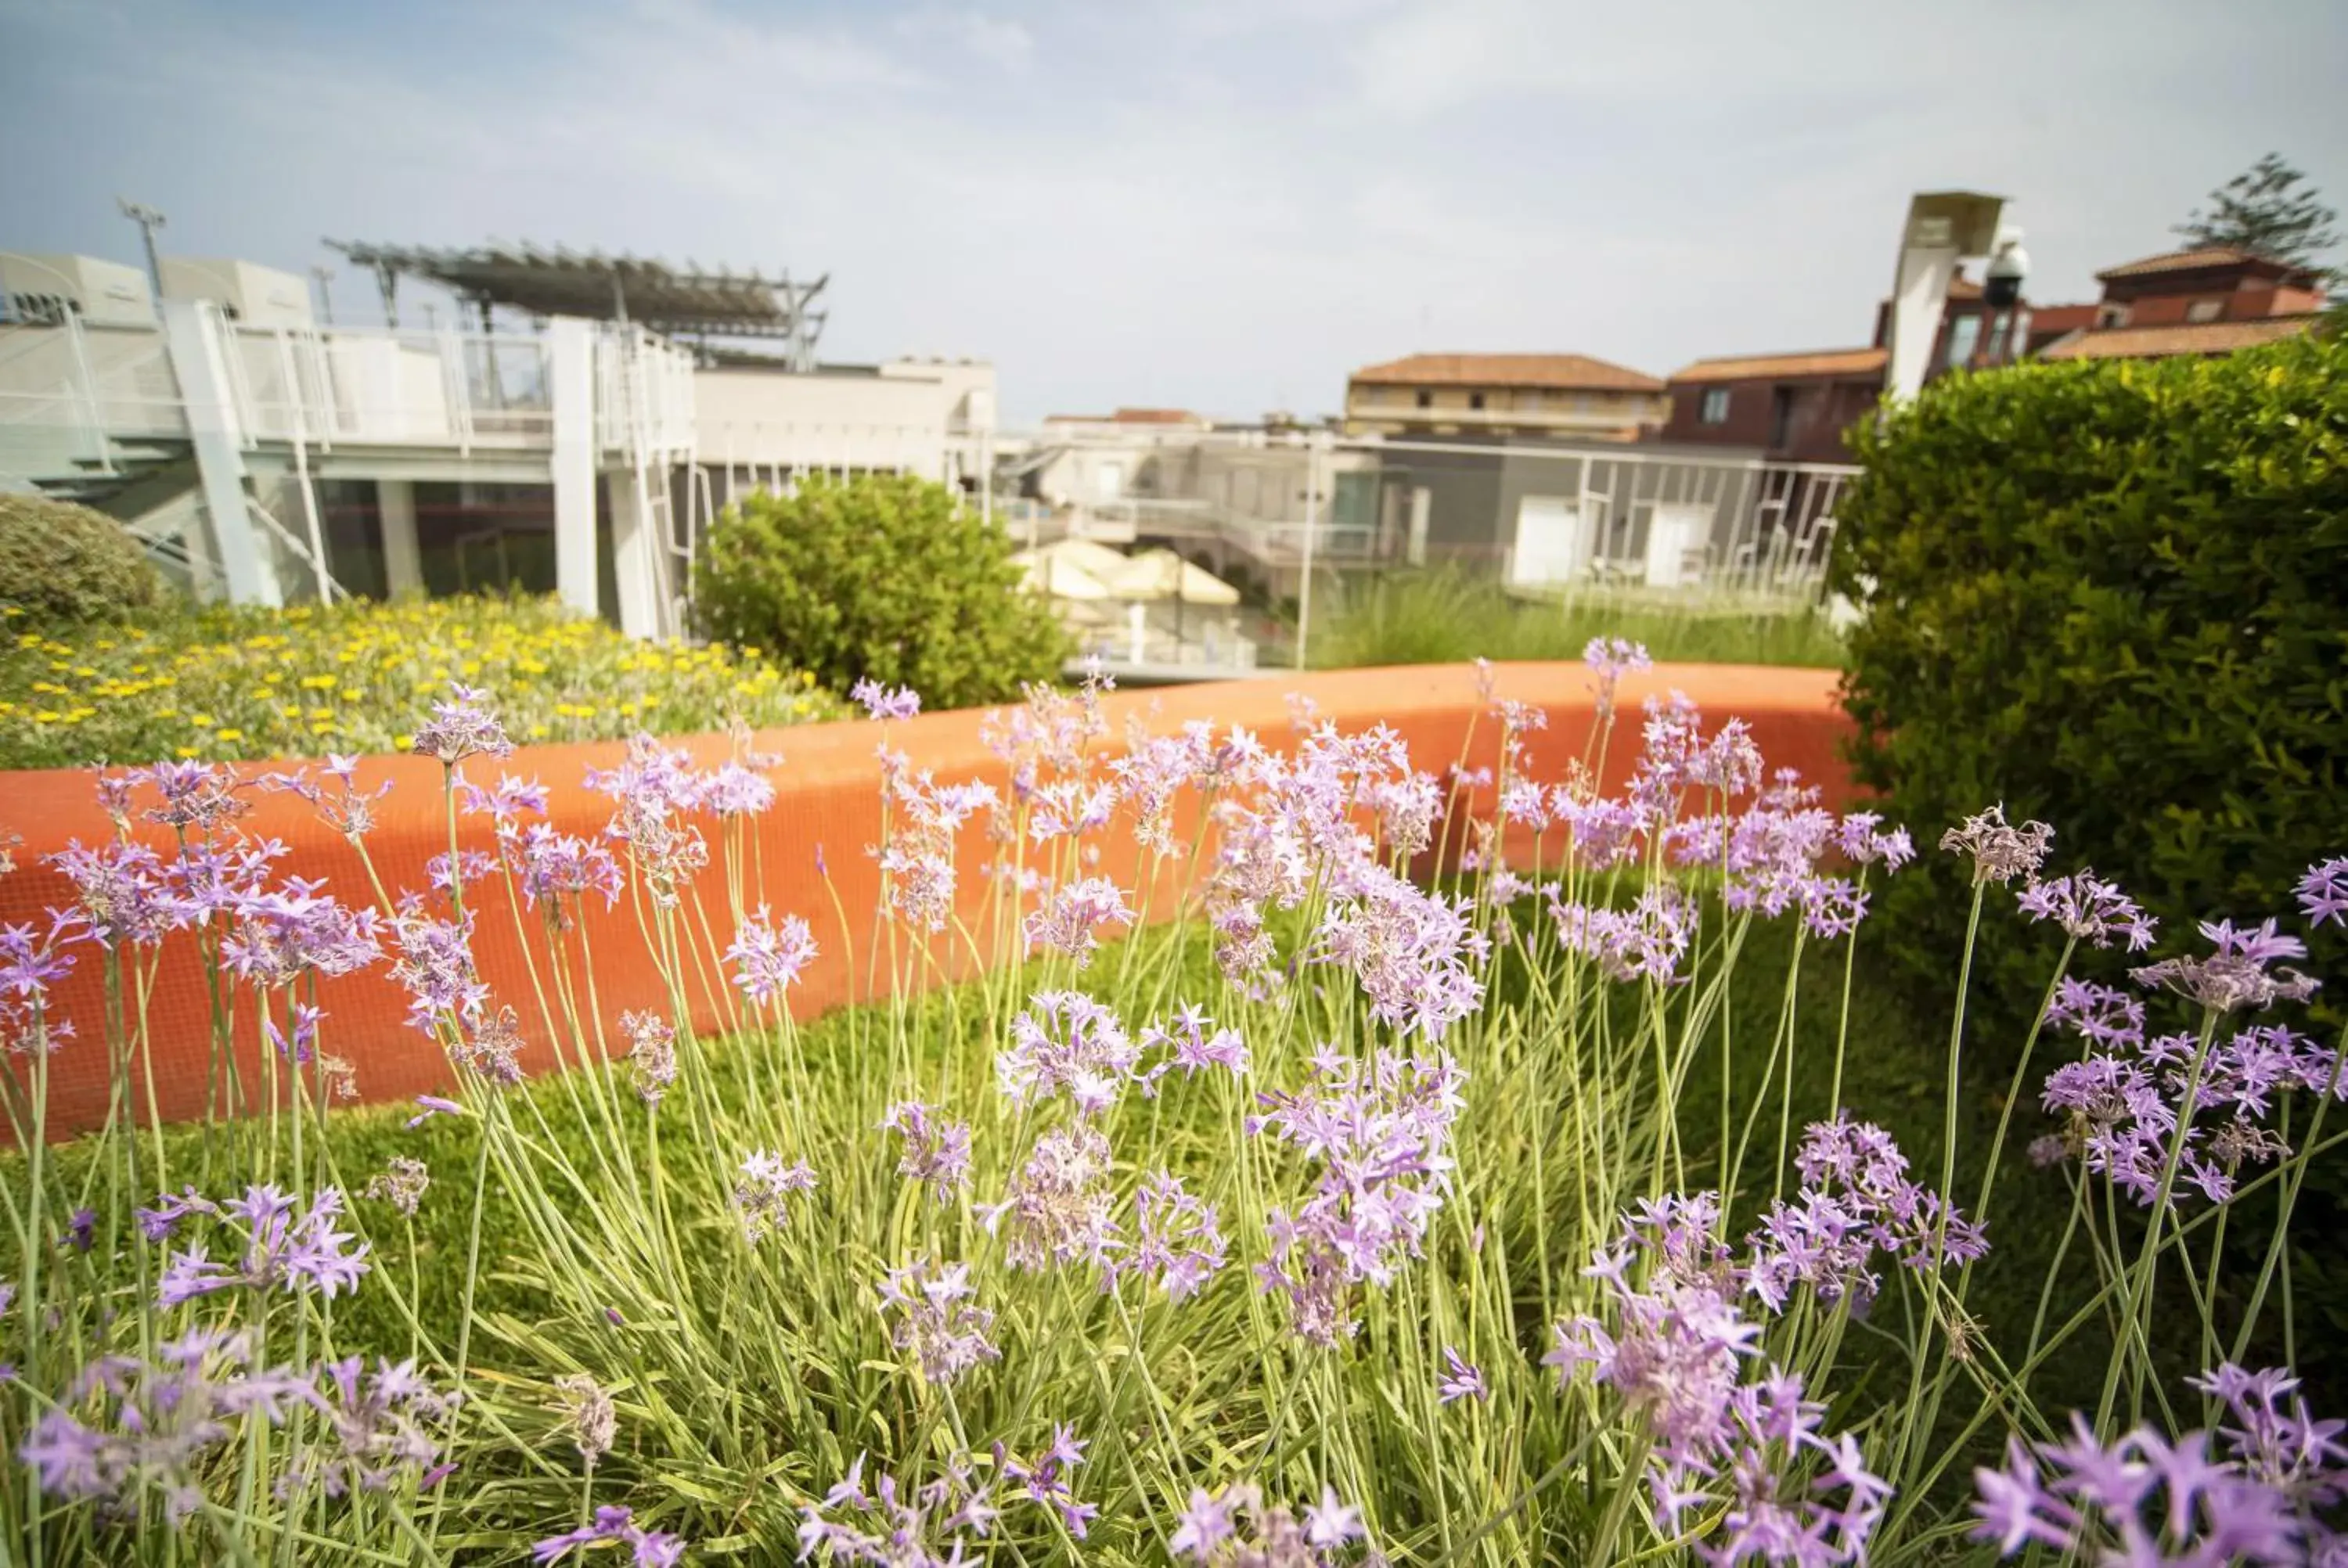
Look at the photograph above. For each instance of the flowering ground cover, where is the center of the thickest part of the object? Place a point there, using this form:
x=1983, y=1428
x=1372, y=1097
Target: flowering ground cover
x=231, y=682
x=1583, y=1210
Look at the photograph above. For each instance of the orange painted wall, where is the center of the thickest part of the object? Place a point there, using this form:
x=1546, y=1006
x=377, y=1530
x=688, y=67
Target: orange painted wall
x=828, y=804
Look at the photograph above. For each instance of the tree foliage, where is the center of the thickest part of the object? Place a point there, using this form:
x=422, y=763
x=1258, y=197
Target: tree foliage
x=2269, y=209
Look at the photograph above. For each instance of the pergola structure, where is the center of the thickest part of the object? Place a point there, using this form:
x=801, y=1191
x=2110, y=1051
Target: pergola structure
x=677, y=303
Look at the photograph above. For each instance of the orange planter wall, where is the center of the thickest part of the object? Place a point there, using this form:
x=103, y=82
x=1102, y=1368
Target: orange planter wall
x=828, y=804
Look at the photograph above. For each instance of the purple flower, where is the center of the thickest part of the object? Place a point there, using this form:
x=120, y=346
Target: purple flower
x=936, y=1319
x=1862, y=842
x=344, y=807
x=1646, y=941
x=1193, y=1045
x=1610, y=659
x=769, y=957
x=557, y=865
x=194, y=794
x=30, y=966
x=434, y=1105
x=81, y=1230
x=2235, y=975
x=401, y=1184
x=1236, y=1529
x=1073, y=913
x=1460, y=1379
x=733, y=789
x=120, y=894
x=462, y=726
x=281, y=1251
x=1855, y=1198
x=1057, y=1209
x=1175, y=1237
x=2089, y=910
x=1045, y=1480
x=1066, y=1042
x=883, y=704
x=2001, y=852
x=935, y=1151
x=648, y=1548
x=512, y=799
x=2144, y=1499
x=378, y=1425
x=296, y=930
x=936, y=1524
x=588, y=1413
x=2323, y=892
x=761, y=1190
x=1412, y=952
x=652, y=1053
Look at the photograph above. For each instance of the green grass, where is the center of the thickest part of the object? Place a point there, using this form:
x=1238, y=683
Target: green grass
x=1446, y=617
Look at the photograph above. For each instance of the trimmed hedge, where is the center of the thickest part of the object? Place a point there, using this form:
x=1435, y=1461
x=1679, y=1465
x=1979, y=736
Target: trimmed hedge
x=2113, y=595
x=63, y=564
x=882, y=577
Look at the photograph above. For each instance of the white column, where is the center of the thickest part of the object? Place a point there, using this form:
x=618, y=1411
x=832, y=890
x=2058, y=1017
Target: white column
x=403, y=557
x=571, y=385
x=217, y=435
x=635, y=565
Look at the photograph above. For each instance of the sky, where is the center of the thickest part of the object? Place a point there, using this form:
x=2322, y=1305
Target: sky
x=1222, y=205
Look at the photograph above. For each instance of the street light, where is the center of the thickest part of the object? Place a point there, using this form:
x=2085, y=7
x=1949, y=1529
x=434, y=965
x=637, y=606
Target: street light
x=1944, y=227
x=325, y=276
x=149, y=220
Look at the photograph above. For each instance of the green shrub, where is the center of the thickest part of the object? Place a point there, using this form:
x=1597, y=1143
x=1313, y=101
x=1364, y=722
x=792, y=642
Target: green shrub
x=61, y=564
x=882, y=577
x=2113, y=596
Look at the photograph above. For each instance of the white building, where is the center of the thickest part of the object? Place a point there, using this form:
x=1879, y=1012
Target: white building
x=270, y=457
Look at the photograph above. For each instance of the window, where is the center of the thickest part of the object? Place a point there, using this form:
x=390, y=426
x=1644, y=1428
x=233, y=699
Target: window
x=1475, y=400
x=2205, y=310
x=1781, y=416
x=1998, y=330
x=2108, y=316
x=1964, y=336
x=1426, y=398
x=1714, y=409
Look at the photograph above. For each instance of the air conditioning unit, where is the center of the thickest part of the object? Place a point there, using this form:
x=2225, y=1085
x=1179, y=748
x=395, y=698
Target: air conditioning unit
x=45, y=288
x=254, y=296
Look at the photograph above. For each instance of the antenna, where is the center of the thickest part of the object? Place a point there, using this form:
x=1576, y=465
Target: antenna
x=149, y=220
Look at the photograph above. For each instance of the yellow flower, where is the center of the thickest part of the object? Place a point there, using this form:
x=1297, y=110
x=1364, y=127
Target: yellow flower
x=191, y=750
x=351, y=693
x=318, y=683
x=202, y=721
x=231, y=734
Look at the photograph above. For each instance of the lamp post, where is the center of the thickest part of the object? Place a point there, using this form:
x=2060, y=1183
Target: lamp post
x=325, y=276
x=1943, y=228
x=149, y=220
x=1315, y=443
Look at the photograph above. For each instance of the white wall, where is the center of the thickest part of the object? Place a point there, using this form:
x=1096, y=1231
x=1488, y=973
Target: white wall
x=902, y=417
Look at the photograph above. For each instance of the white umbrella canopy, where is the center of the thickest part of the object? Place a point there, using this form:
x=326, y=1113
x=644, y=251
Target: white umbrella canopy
x=1057, y=573
x=1162, y=574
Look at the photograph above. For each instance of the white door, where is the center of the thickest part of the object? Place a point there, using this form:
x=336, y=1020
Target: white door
x=1552, y=541
x=1674, y=534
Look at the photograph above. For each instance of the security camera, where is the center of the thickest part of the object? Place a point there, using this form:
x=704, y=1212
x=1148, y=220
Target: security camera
x=2007, y=267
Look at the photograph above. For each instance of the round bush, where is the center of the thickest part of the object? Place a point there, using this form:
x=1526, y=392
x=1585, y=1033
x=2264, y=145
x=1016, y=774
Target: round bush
x=64, y=563
x=882, y=577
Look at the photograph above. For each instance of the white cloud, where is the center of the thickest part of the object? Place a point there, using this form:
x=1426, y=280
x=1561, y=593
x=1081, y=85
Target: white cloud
x=999, y=40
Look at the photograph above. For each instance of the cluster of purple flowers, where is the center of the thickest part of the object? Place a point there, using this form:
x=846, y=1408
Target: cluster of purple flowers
x=2240, y=972
x=1413, y=952
x=2089, y=910
x=1065, y=1042
x=461, y=726
x=652, y=1053
x=1380, y=1131
x=1646, y=941
x=937, y=1320
x=1193, y=1045
x=932, y=1525
x=1610, y=659
x=2001, y=851
x=646, y=1548
x=935, y=1151
x=917, y=858
x=1045, y=1478
x=1072, y=912
x=1234, y=1528
x=2148, y=1501
x=554, y=866
x=653, y=790
x=1676, y=1358
x=762, y=1191
x=1855, y=1199
x=882, y=703
x=2121, y=1102
x=285, y=1248
x=1059, y=1208
x=401, y=1183
x=1175, y=1237
x=769, y=956
x=128, y=1424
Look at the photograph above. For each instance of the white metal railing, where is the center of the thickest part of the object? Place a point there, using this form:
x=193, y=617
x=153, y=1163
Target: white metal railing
x=389, y=386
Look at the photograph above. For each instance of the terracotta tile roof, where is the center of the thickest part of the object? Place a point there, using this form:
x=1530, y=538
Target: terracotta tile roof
x=2047, y=320
x=2191, y=260
x=1964, y=288
x=1844, y=362
x=2197, y=337
x=1571, y=372
x=1130, y=416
